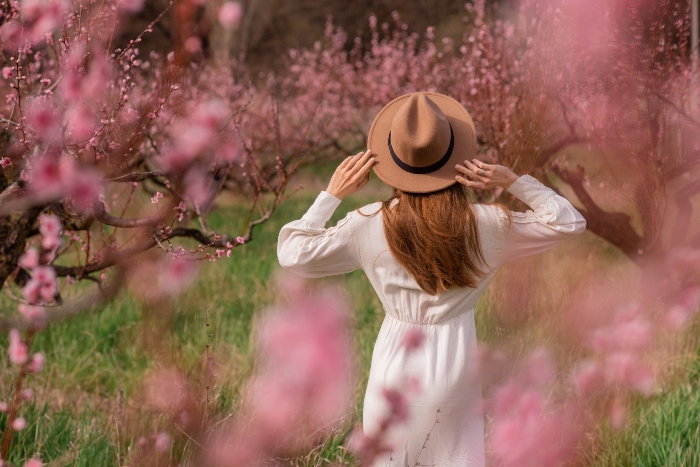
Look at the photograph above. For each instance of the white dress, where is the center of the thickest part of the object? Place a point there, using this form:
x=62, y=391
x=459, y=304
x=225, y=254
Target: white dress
x=442, y=365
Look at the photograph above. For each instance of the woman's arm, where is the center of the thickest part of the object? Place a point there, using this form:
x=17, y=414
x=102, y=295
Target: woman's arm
x=551, y=220
x=306, y=247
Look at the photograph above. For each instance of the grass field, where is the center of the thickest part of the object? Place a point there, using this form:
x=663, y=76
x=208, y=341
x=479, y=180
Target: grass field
x=87, y=405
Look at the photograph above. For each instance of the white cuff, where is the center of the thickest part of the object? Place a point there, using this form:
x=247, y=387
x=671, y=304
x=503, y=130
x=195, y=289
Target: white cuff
x=323, y=208
x=529, y=190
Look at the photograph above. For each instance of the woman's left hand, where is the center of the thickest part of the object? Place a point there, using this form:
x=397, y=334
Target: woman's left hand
x=351, y=175
x=483, y=176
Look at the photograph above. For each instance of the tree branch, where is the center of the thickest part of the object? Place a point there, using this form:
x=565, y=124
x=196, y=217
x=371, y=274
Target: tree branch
x=614, y=227
x=102, y=216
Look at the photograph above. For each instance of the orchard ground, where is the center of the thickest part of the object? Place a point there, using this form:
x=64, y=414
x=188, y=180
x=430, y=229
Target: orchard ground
x=89, y=400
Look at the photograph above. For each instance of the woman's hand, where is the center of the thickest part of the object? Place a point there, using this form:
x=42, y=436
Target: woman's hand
x=351, y=175
x=482, y=176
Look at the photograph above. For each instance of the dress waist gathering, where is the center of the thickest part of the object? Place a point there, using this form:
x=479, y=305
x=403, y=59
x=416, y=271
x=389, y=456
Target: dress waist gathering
x=448, y=319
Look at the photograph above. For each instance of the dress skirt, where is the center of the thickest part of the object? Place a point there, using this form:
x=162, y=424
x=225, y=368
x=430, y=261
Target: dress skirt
x=444, y=427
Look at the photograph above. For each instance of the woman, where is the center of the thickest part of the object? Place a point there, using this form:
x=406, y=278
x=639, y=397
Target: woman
x=429, y=253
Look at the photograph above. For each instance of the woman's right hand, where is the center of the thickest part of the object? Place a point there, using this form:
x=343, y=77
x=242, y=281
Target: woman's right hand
x=482, y=176
x=351, y=175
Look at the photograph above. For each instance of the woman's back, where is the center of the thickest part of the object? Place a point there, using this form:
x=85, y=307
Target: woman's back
x=359, y=242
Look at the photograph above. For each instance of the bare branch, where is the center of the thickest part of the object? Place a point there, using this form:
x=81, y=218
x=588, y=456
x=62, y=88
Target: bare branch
x=614, y=227
x=86, y=302
x=107, y=219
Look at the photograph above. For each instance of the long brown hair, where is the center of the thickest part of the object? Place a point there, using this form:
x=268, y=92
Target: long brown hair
x=435, y=237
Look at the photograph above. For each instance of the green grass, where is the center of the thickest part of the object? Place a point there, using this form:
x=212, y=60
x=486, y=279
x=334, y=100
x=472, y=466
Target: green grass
x=662, y=431
x=86, y=409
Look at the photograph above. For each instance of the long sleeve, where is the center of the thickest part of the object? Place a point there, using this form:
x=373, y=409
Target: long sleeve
x=552, y=220
x=308, y=249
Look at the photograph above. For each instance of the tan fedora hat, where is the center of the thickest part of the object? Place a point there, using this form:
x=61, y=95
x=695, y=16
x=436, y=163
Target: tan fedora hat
x=417, y=139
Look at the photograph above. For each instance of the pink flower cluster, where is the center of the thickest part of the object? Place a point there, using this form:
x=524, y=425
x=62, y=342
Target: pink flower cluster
x=531, y=428
x=230, y=14
x=301, y=389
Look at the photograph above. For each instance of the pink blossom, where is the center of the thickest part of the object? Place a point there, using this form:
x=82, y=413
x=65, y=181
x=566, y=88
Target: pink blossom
x=539, y=369
x=198, y=189
x=35, y=315
x=193, y=44
x=4, y=407
x=33, y=463
x=49, y=225
x=46, y=277
x=47, y=177
x=676, y=318
x=19, y=423
x=5, y=162
x=190, y=139
x=617, y=413
x=84, y=188
x=82, y=122
x=304, y=371
x=131, y=6
x=32, y=291
x=30, y=259
x=7, y=72
x=178, y=274
x=626, y=370
x=156, y=197
x=44, y=119
x=588, y=378
x=413, y=339
x=398, y=407
x=240, y=240
x=211, y=114
x=37, y=363
x=166, y=390
x=17, y=348
x=230, y=14
x=162, y=442
x=27, y=394
x=530, y=433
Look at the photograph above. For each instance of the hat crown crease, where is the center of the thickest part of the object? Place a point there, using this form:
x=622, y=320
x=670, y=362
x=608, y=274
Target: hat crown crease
x=420, y=131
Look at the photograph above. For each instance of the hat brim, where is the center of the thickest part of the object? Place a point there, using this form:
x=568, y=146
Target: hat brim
x=390, y=173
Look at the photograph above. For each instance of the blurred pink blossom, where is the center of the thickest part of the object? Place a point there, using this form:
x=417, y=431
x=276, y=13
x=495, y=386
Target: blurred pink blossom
x=35, y=315
x=17, y=348
x=413, y=339
x=166, y=390
x=37, y=363
x=625, y=369
x=162, y=442
x=45, y=119
x=398, y=405
x=81, y=121
x=5, y=162
x=617, y=413
x=33, y=462
x=526, y=432
x=588, y=377
x=30, y=259
x=50, y=229
x=131, y=6
x=177, y=275
x=193, y=44
x=230, y=14
x=539, y=367
x=19, y=423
